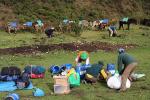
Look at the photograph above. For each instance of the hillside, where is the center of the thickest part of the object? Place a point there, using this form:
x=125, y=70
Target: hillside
x=56, y=10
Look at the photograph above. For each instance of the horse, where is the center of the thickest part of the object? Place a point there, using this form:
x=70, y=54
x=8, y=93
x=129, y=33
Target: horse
x=145, y=22
x=25, y=26
x=38, y=28
x=66, y=26
x=12, y=27
x=84, y=24
x=100, y=24
x=127, y=22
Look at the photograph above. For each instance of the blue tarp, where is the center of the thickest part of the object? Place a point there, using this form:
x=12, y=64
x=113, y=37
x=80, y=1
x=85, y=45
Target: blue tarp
x=65, y=21
x=11, y=86
x=29, y=24
x=13, y=24
x=39, y=22
x=105, y=21
x=125, y=19
x=7, y=86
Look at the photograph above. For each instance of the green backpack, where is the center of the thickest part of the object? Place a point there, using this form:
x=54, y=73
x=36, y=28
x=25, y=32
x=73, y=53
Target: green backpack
x=74, y=80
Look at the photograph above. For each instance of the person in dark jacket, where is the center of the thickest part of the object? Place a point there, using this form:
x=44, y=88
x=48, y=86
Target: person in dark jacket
x=49, y=32
x=126, y=66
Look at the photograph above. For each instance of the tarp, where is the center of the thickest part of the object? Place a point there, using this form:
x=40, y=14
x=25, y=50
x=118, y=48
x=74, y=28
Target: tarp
x=39, y=22
x=29, y=24
x=7, y=86
x=13, y=24
x=125, y=19
x=11, y=86
x=105, y=21
x=65, y=21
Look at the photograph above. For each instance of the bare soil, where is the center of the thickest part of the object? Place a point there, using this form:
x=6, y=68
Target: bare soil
x=88, y=46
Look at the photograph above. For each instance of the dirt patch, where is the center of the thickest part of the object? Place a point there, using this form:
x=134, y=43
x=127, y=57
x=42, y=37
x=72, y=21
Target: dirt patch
x=88, y=46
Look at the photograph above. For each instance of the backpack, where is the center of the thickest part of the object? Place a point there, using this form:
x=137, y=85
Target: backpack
x=4, y=71
x=11, y=73
x=12, y=70
x=34, y=69
x=38, y=92
x=23, y=81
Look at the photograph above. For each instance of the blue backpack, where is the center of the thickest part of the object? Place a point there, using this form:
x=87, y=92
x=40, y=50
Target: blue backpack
x=38, y=92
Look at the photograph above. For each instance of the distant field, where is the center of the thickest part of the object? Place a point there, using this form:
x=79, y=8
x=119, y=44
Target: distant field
x=139, y=90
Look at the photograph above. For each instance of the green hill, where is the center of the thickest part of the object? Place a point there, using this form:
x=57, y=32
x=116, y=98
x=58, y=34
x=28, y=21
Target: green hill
x=56, y=10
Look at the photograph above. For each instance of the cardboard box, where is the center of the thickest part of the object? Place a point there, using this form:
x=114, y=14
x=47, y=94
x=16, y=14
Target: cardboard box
x=61, y=80
x=61, y=89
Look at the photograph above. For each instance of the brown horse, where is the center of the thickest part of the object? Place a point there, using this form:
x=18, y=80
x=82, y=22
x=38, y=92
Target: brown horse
x=40, y=28
x=98, y=24
x=66, y=27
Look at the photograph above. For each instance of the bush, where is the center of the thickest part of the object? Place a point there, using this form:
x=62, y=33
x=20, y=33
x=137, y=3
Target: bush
x=76, y=29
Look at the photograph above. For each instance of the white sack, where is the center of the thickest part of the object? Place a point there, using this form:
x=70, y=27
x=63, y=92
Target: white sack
x=114, y=82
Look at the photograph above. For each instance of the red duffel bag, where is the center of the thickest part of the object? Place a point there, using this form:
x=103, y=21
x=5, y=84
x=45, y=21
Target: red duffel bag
x=37, y=75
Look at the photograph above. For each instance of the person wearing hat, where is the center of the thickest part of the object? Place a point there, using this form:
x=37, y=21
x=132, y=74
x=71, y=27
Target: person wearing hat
x=126, y=66
x=82, y=56
x=50, y=32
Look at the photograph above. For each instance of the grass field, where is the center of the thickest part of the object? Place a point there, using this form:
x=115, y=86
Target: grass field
x=140, y=90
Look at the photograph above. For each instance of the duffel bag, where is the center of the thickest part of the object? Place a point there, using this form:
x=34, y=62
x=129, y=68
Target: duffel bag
x=37, y=75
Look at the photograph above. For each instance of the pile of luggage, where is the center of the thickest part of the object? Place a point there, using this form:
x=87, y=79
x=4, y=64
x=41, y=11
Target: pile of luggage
x=12, y=75
x=35, y=71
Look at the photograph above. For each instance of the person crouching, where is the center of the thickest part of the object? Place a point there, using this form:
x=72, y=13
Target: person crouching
x=49, y=32
x=126, y=66
x=112, y=31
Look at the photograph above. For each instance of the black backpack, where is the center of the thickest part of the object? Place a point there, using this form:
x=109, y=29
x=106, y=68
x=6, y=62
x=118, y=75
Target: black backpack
x=11, y=73
x=12, y=70
x=23, y=81
x=4, y=71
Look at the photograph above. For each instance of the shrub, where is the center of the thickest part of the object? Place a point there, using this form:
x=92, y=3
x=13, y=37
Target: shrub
x=76, y=29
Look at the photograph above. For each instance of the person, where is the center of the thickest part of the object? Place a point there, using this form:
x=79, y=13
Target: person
x=126, y=66
x=82, y=57
x=113, y=81
x=93, y=72
x=49, y=32
x=112, y=30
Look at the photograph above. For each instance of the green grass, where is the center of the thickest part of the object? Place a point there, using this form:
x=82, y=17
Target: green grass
x=138, y=91
x=133, y=36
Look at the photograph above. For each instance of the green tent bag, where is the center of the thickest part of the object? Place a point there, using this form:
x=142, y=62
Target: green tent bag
x=74, y=80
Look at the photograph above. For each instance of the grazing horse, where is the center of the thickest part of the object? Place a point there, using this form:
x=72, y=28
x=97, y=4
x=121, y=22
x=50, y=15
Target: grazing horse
x=34, y=26
x=38, y=28
x=84, y=24
x=145, y=22
x=26, y=26
x=126, y=21
x=66, y=26
x=101, y=24
x=12, y=27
